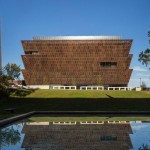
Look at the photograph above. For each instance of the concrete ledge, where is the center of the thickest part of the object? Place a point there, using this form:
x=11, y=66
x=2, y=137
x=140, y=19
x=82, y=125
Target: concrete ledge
x=22, y=116
x=15, y=118
x=95, y=112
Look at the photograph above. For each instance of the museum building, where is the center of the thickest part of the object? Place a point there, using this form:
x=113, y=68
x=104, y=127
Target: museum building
x=77, y=60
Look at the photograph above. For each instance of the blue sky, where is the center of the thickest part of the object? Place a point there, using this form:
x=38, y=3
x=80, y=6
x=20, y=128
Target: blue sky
x=23, y=19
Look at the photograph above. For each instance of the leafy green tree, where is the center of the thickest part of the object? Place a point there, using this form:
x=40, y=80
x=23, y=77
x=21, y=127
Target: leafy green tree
x=144, y=56
x=9, y=72
x=12, y=70
x=3, y=83
x=9, y=136
x=143, y=85
x=144, y=147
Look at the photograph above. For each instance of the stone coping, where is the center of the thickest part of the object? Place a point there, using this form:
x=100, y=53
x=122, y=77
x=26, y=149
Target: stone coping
x=92, y=112
x=15, y=118
x=22, y=116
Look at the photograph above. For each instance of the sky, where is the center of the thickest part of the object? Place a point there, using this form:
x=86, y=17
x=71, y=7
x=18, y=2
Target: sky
x=23, y=19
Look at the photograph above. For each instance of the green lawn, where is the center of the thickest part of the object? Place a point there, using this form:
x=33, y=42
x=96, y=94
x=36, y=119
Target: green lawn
x=87, y=94
x=53, y=100
x=88, y=118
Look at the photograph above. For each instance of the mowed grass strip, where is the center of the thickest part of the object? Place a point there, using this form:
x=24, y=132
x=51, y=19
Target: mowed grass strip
x=67, y=94
x=88, y=118
x=87, y=94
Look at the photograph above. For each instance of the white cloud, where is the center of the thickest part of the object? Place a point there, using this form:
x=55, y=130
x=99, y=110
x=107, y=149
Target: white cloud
x=137, y=68
x=144, y=75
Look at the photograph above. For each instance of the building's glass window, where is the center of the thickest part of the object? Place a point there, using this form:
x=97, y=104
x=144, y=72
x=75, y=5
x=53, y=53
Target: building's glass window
x=108, y=138
x=35, y=52
x=32, y=52
x=111, y=65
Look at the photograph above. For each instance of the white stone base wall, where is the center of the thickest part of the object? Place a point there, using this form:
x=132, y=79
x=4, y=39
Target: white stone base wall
x=64, y=87
x=39, y=86
x=138, y=89
x=120, y=88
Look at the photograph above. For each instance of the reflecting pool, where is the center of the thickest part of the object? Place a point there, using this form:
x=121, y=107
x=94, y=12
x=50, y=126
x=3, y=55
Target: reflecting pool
x=97, y=135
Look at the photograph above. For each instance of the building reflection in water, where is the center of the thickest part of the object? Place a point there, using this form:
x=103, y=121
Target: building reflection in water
x=77, y=136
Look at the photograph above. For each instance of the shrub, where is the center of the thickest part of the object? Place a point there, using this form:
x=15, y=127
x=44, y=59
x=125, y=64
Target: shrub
x=22, y=92
x=3, y=90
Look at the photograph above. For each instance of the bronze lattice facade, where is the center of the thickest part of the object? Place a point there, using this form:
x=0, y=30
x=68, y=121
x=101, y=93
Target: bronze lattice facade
x=77, y=61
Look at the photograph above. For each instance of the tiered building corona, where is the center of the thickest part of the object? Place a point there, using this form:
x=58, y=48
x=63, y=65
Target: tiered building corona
x=77, y=60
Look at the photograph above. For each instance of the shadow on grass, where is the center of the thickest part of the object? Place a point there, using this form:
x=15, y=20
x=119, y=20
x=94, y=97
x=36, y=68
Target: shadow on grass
x=109, y=96
x=24, y=105
x=76, y=104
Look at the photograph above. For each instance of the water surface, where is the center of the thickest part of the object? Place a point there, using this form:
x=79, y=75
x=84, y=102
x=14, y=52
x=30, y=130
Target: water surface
x=75, y=136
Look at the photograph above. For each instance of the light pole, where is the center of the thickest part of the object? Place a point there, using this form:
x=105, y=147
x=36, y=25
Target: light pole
x=140, y=82
x=0, y=50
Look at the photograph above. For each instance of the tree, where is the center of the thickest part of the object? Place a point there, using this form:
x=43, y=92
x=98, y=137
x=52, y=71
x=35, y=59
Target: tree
x=9, y=136
x=144, y=147
x=73, y=81
x=143, y=85
x=12, y=70
x=3, y=83
x=9, y=72
x=144, y=56
x=45, y=80
x=98, y=80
